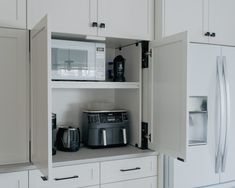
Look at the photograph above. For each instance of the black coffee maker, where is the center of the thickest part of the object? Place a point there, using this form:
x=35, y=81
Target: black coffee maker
x=119, y=69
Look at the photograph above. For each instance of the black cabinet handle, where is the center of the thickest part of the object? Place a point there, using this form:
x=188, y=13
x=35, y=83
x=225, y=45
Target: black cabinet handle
x=60, y=179
x=207, y=34
x=94, y=24
x=131, y=169
x=212, y=34
x=102, y=25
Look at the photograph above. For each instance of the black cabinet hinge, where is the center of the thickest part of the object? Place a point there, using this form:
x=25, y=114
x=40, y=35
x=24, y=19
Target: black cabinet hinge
x=146, y=53
x=145, y=137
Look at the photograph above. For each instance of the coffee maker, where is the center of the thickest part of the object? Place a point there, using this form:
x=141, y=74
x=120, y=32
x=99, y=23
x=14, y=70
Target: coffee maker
x=119, y=69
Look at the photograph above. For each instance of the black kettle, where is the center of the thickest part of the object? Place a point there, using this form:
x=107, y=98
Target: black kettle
x=68, y=139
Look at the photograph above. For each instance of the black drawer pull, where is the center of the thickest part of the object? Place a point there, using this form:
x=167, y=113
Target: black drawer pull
x=213, y=35
x=102, y=25
x=207, y=34
x=94, y=24
x=131, y=169
x=60, y=179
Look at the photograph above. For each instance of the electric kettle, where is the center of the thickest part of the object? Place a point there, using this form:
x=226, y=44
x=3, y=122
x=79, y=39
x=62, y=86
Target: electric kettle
x=68, y=139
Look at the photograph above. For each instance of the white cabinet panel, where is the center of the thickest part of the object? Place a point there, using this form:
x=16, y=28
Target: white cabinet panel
x=138, y=183
x=126, y=18
x=120, y=170
x=14, y=180
x=185, y=15
x=168, y=83
x=221, y=13
x=14, y=95
x=75, y=16
x=41, y=97
x=13, y=13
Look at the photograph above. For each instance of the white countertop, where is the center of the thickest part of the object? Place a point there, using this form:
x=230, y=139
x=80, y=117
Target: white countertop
x=86, y=155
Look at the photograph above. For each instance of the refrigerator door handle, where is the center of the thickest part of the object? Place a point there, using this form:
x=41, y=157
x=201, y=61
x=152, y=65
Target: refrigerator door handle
x=220, y=95
x=227, y=115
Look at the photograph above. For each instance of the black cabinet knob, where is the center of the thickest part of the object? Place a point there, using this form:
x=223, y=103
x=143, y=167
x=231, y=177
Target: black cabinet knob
x=94, y=24
x=207, y=34
x=102, y=25
x=213, y=35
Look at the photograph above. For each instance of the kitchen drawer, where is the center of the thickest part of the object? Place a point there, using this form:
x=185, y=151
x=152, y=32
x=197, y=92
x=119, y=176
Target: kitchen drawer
x=68, y=176
x=14, y=180
x=127, y=169
x=138, y=183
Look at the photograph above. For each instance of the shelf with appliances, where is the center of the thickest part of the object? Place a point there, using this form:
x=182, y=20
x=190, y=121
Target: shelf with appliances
x=87, y=155
x=69, y=103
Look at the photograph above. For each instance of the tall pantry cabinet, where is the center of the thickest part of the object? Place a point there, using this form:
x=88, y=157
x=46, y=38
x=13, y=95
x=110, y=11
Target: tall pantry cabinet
x=14, y=96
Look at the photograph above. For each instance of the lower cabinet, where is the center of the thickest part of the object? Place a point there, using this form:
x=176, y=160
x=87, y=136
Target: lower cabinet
x=127, y=169
x=14, y=180
x=68, y=176
x=126, y=173
x=138, y=183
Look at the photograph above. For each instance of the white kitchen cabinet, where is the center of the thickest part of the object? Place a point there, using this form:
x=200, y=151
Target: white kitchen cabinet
x=206, y=21
x=75, y=16
x=14, y=95
x=14, y=180
x=121, y=170
x=46, y=99
x=138, y=183
x=13, y=13
x=96, y=17
x=67, y=176
x=220, y=14
x=182, y=15
x=126, y=18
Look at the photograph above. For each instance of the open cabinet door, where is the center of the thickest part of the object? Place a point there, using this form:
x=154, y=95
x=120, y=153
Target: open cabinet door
x=168, y=91
x=40, y=97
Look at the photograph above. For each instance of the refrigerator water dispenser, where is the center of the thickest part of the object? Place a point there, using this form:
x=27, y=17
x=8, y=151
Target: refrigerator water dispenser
x=198, y=120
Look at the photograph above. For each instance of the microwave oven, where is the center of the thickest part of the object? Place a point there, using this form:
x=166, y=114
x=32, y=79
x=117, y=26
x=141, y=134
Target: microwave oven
x=76, y=60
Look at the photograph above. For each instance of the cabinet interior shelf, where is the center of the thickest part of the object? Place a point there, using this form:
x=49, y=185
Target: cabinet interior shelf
x=197, y=142
x=94, y=85
x=197, y=112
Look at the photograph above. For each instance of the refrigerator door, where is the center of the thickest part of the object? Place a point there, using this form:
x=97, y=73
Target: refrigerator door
x=202, y=81
x=228, y=155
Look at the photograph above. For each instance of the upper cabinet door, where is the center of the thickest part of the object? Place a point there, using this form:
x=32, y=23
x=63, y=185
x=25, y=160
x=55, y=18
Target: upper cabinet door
x=221, y=12
x=183, y=15
x=126, y=19
x=73, y=16
x=41, y=97
x=169, y=119
x=13, y=13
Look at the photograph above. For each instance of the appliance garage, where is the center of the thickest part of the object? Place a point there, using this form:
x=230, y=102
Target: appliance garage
x=95, y=96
